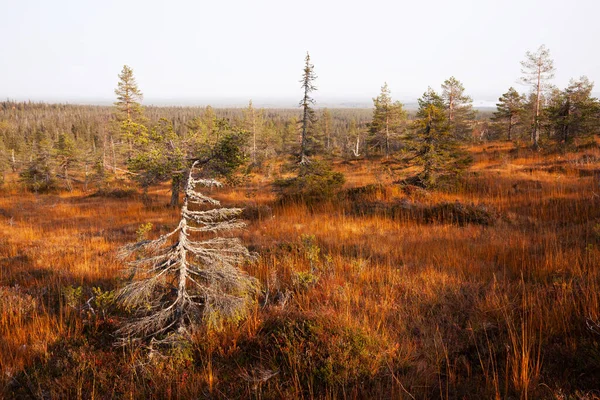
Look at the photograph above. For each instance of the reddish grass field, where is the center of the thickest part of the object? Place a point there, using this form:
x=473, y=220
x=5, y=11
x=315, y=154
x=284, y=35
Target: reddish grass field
x=363, y=297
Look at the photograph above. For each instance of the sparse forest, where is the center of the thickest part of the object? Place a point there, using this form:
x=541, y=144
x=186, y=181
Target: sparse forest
x=392, y=252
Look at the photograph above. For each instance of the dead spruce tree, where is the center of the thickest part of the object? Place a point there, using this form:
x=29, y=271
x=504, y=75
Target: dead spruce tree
x=190, y=275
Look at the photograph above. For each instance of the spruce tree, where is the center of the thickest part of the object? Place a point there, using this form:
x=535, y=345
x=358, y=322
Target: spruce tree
x=189, y=276
x=308, y=114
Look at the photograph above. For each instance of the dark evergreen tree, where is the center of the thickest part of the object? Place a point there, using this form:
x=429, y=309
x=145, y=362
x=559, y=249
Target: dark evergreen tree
x=573, y=112
x=434, y=147
x=510, y=111
x=388, y=120
x=308, y=114
x=66, y=156
x=459, y=108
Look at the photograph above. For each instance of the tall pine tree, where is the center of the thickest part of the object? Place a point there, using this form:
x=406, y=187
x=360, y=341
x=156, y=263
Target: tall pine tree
x=387, y=122
x=459, y=108
x=434, y=147
x=510, y=110
x=537, y=69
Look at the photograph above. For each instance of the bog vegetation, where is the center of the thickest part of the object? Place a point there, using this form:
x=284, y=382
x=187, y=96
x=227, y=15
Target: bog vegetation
x=387, y=253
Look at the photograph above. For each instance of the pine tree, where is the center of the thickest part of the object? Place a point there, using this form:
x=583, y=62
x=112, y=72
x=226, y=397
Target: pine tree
x=308, y=114
x=573, y=112
x=129, y=97
x=387, y=122
x=434, y=147
x=537, y=70
x=253, y=123
x=459, y=107
x=188, y=276
x=163, y=155
x=160, y=156
x=129, y=112
x=510, y=109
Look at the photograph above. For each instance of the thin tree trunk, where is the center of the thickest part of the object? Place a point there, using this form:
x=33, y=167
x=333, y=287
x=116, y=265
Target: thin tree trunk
x=327, y=134
x=387, y=134
x=13, y=161
x=253, y=137
x=535, y=134
x=304, y=144
x=114, y=157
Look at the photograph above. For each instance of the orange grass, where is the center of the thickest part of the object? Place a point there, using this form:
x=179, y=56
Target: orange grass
x=452, y=311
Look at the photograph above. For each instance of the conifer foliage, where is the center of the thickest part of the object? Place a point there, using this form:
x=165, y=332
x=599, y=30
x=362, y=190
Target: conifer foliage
x=388, y=120
x=308, y=114
x=190, y=275
x=434, y=147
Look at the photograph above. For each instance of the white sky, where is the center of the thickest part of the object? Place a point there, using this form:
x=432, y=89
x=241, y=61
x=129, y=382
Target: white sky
x=199, y=51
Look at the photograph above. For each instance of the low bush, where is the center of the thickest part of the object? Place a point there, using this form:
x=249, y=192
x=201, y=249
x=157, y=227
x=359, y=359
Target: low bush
x=318, y=351
x=316, y=181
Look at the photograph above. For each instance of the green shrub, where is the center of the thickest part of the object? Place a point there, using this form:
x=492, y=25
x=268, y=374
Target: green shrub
x=319, y=350
x=316, y=181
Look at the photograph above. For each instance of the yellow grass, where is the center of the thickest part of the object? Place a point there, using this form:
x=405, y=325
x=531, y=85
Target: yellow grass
x=457, y=311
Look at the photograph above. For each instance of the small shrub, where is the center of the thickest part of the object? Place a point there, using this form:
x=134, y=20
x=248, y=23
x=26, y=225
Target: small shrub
x=115, y=193
x=143, y=230
x=304, y=280
x=14, y=302
x=316, y=181
x=365, y=193
x=258, y=212
x=442, y=213
x=460, y=213
x=319, y=350
x=73, y=296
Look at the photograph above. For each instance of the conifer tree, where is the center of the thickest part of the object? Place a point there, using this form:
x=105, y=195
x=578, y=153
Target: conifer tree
x=434, y=147
x=510, y=110
x=38, y=174
x=573, y=112
x=388, y=117
x=308, y=114
x=326, y=128
x=129, y=112
x=129, y=96
x=66, y=156
x=160, y=156
x=253, y=123
x=190, y=275
x=537, y=70
x=459, y=107
x=163, y=155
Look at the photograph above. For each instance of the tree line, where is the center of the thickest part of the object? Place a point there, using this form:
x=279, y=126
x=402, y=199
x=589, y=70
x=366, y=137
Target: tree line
x=46, y=143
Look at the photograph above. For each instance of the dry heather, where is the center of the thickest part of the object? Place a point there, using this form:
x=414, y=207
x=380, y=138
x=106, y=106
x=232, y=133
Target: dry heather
x=386, y=292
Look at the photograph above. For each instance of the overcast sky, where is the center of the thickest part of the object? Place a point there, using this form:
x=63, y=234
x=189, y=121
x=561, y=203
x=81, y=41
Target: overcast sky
x=198, y=51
